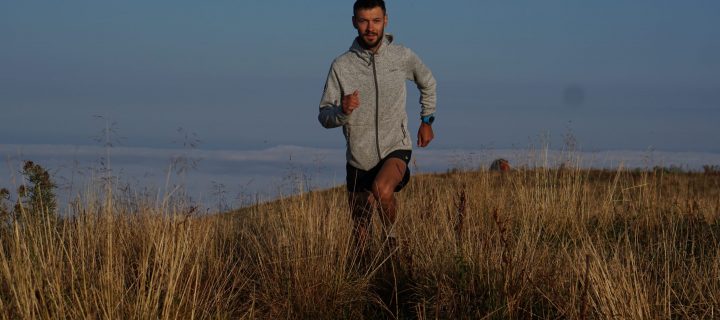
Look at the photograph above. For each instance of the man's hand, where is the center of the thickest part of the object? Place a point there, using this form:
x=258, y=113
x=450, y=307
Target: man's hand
x=350, y=102
x=425, y=135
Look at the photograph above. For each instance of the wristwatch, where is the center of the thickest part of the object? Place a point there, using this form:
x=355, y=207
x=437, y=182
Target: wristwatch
x=428, y=119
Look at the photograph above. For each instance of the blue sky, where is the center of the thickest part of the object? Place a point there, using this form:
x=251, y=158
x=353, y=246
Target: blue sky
x=248, y=74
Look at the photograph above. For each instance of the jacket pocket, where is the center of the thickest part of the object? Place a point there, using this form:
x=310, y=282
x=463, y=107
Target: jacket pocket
x=361, y=145
x=405, y=135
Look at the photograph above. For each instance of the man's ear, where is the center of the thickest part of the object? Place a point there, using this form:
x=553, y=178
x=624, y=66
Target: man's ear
x=354, y=22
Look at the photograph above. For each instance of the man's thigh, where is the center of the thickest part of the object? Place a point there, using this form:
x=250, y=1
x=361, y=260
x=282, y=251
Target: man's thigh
x=391, y=173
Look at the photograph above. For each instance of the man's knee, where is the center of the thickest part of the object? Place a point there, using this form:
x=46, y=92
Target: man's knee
x=360, y=198
x=361, y=204
x=383, y=192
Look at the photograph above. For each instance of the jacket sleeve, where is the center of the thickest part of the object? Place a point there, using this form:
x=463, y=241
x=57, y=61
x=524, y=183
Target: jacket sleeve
x=425, y=82
x=331, y=114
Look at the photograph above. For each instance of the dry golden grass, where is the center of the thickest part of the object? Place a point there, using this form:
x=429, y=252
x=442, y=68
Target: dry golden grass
x=534, y=243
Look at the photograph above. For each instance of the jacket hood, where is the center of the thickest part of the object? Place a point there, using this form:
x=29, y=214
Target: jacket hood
x=364, y=53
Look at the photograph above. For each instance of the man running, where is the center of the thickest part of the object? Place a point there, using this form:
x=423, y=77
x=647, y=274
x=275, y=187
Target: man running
x=365, y=94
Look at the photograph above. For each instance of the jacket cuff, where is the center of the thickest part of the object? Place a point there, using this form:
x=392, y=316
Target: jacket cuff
x=341, y=116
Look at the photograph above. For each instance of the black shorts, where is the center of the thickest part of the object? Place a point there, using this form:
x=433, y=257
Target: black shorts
x=360, y=180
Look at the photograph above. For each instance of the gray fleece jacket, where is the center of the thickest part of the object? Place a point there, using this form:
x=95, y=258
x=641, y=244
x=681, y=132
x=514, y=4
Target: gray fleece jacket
x=379, y=125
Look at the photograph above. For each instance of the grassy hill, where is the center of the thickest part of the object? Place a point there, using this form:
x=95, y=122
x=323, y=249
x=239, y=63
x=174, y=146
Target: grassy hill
x=532, y=243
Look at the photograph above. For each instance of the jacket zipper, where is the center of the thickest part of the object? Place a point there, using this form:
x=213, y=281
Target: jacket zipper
x=377, y=108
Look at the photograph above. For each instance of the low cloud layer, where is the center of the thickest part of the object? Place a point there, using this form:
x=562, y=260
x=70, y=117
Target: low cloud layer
x=219, y=179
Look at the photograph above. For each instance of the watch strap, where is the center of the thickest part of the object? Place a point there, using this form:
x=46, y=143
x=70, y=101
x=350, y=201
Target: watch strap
x=428, y=119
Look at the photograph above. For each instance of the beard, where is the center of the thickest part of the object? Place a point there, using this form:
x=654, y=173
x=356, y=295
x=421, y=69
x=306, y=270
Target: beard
x=371, y=45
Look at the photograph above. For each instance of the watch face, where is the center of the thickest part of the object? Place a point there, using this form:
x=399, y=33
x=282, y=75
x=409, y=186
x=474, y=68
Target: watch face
x=428, y=119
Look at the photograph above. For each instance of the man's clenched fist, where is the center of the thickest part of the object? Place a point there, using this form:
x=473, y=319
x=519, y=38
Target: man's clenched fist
x=425, y=135
x=350, y=102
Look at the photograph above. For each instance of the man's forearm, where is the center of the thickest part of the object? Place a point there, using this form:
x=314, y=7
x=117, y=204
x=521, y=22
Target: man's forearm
x=332, y=116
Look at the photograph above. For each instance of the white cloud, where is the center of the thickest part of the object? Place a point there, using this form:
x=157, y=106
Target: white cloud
x=279, y=170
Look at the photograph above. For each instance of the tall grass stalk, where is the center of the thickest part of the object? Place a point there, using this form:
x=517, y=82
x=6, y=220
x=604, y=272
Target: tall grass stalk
x=531, y=243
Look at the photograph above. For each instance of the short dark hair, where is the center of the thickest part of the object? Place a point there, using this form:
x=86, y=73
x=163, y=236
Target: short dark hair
x=368, y=4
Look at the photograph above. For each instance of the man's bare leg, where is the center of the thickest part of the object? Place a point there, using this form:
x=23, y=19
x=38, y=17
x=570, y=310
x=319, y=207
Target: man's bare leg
x=383, y=190
x=362, y=204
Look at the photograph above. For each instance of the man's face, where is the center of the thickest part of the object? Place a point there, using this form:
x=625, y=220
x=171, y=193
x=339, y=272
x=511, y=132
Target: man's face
x=370, y=24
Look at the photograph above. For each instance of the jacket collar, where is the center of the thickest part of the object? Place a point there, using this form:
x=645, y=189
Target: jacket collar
x=366, y=54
